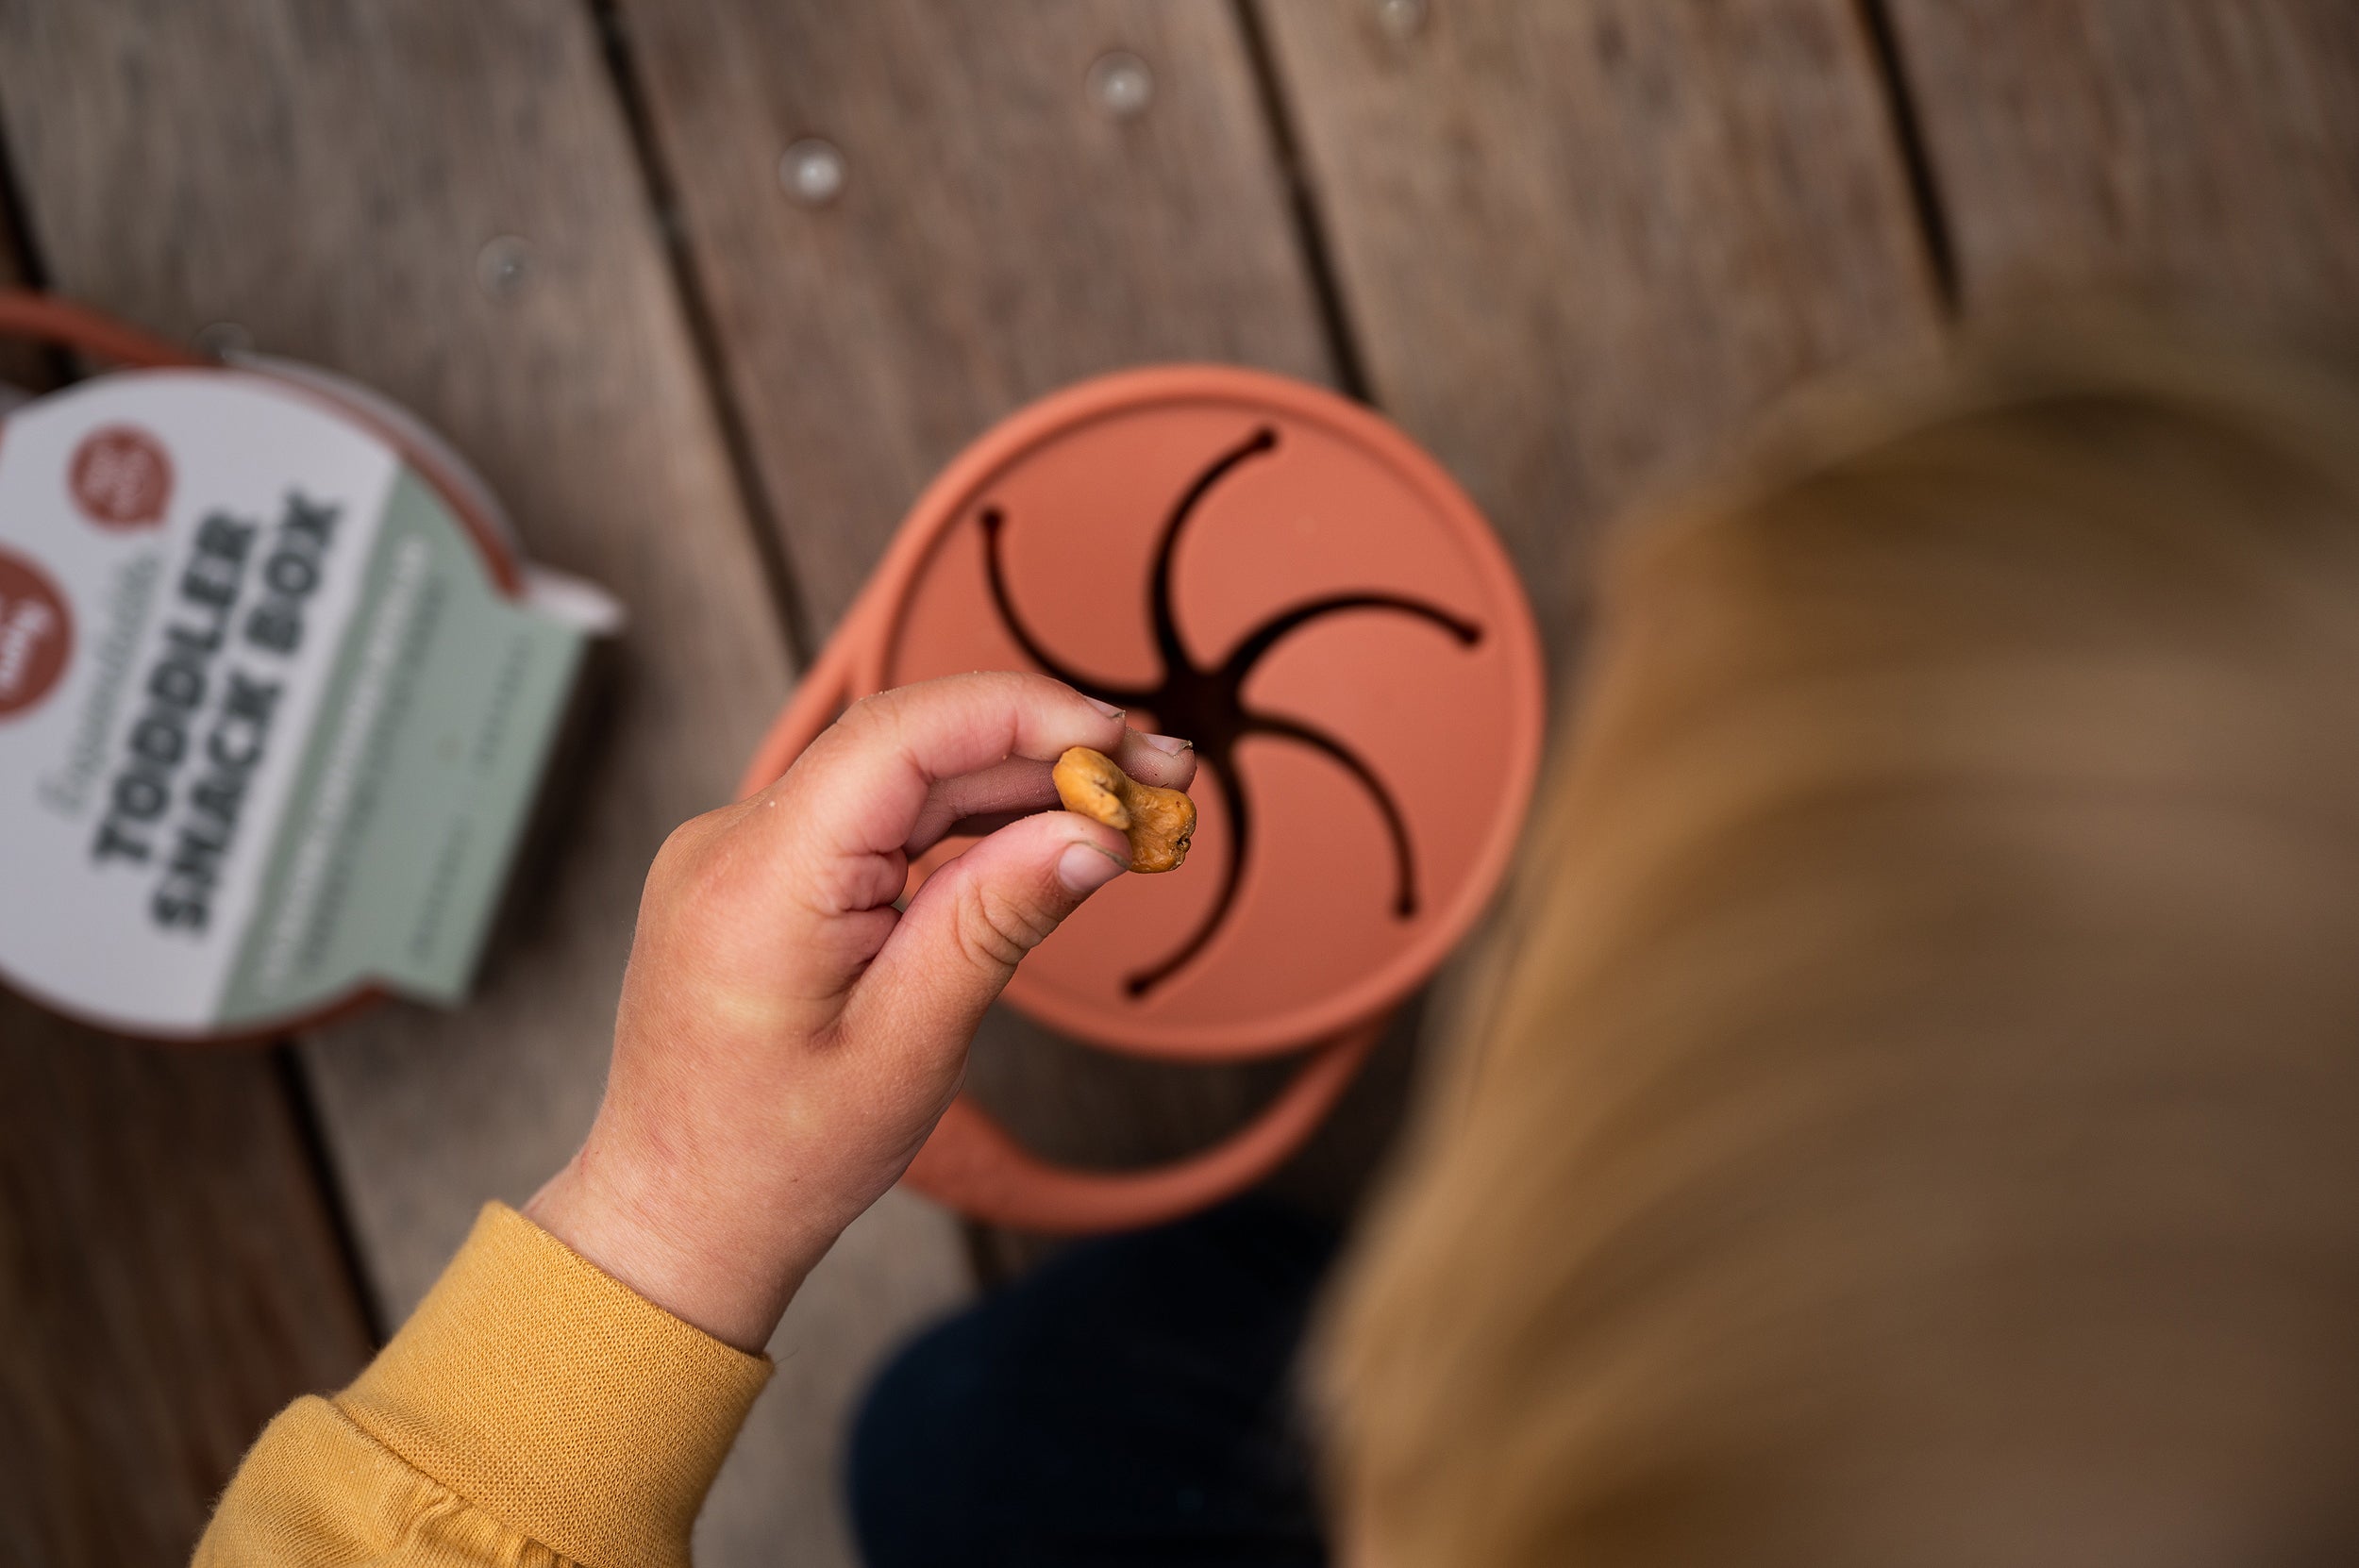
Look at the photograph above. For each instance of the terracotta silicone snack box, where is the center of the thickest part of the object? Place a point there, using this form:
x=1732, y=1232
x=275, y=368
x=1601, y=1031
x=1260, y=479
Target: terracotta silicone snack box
x=1326, y=616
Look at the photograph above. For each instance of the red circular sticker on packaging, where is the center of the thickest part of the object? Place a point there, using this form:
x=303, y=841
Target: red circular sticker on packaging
x=121, y=477
x=36, y=634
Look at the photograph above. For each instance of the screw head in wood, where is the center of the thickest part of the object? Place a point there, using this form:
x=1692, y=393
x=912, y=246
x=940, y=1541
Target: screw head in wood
x=1400, y=19
x=811, y=171
x=1121, y=85
x=222, y=339
x=502, y=265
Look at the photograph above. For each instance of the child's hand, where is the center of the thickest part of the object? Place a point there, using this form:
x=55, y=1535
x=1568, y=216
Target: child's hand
x=786, y=1038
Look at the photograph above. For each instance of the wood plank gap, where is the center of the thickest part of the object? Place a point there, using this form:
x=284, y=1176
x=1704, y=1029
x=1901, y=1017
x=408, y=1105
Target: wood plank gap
x=1309, y=224
x=704, y=336
x=1908, y=134
x=2180, y=157
x=35, y=367
x=986, y=1263
x=16, y=225
x=310, y=1131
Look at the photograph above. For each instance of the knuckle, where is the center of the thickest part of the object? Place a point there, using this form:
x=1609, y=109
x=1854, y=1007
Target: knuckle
x=866, y=715
x=852, y=884
x=701, y=865
x=996, y=931
x=680, y=856
x=864, y=709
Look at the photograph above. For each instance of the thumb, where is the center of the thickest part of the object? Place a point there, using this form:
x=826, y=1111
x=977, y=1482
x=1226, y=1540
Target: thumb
x=962, y=935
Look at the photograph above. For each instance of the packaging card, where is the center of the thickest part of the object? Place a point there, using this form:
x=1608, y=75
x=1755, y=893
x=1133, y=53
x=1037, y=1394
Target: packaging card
x=268, y=728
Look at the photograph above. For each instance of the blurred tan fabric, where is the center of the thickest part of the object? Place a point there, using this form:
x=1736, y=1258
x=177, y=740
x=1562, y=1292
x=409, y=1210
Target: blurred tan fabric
x=1911, y=1115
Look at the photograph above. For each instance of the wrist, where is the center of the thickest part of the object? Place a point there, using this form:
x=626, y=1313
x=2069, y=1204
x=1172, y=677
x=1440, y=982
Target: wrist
x=723, y=1272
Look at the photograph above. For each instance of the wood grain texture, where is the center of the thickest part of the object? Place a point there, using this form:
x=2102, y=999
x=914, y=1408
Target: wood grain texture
x=1582, y=242
x=2196, y=152
x=170, y=1276
x=997, y=236
x=326, y=177
x=170, y=1272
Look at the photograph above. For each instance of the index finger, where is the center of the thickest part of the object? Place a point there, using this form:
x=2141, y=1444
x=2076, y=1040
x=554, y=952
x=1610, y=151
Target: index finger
x=859, y=788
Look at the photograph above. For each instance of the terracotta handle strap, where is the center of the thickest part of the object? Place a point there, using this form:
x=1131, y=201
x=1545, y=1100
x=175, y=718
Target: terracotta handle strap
x=972, y=1165
x=45, y=318
x=48, y=319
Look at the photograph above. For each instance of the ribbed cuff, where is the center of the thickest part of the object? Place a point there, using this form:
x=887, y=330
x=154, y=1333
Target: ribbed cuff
x=555, y=1399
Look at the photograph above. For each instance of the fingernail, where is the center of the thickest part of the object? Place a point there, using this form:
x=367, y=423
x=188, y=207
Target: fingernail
x=1084, y=868
x=1169, y=745
x=1106, y=707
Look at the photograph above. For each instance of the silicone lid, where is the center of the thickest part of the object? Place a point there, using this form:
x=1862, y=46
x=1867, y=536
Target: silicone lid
x=1285, y=580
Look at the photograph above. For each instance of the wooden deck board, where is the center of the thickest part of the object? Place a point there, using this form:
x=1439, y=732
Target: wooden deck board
x=326, y=177
x=170, y=1275
x=1582, y=242
x=2171, y=152
x=998, y=234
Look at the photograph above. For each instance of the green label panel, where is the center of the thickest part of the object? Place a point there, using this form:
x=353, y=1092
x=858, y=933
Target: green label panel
x=414, y=787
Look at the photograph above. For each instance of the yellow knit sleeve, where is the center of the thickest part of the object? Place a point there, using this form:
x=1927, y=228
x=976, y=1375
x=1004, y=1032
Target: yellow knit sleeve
x=532, y=1410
